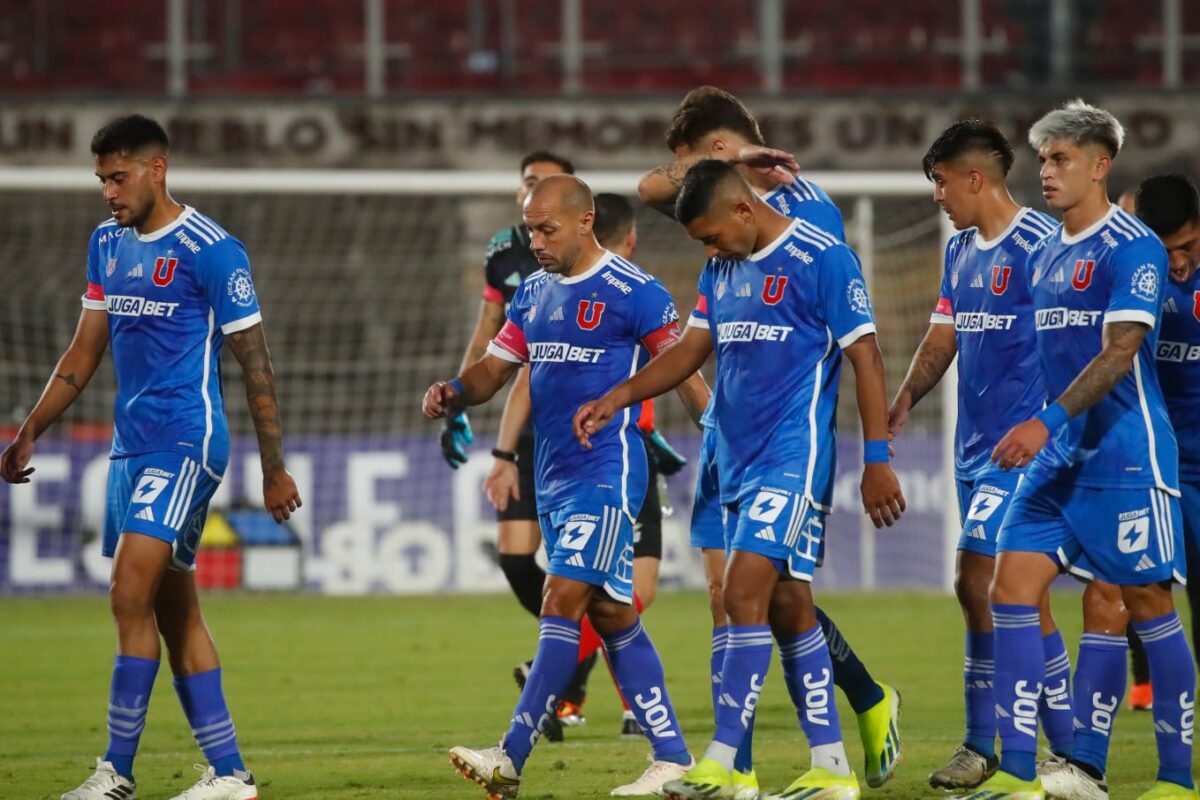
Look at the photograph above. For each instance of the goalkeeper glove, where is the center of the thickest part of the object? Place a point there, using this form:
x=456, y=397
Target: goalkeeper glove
x=456, y=436
x=667, y=459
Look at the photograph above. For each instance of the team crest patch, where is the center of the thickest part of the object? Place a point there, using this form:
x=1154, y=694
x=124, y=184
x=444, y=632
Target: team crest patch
x=856, y=295
x=110, y=267
x=240, y=287
x=590, y=312
x=1145, y=283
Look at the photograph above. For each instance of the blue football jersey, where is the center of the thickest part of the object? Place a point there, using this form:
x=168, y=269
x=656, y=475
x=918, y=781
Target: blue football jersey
x=985, y=296
x=1111, y=272
x=800, y=200
x=779, y=320
x=171, y=296
x=1179, y=368
x=582, y=336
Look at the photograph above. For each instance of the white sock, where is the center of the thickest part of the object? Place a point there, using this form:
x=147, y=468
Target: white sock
x=831, y=757
x=723, y=754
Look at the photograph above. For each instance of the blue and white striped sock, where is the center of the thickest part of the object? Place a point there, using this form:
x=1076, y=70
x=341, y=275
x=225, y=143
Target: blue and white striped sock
x=808, y=672
x=1099, y=687
x=1173, y=676
x=1020, y=673
x=639, y=673
x=203, y=703
x=979, y=671
x=1054, y=709
x=557, y=656
x=747, y=659
x=128, y=701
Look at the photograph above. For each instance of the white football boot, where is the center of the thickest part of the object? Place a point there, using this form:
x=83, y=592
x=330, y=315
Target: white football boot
x=105, y=784
x=491, y=768
x=652, y=780
x=212, y=786
x=1062, y=780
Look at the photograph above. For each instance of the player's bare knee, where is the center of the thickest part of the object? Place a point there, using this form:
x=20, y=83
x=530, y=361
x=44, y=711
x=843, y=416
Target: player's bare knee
x=1104, y=609
x=746, y=605
x=1146, y=603
x=128, y=601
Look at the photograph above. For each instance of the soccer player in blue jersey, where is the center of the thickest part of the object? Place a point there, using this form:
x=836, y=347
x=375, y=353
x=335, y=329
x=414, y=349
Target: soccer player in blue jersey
x=711, y=123
x=166, y=286
x=984, y=315
x=1170, y=206
x=584, y=322
x=780, y=301
x=1106, y=491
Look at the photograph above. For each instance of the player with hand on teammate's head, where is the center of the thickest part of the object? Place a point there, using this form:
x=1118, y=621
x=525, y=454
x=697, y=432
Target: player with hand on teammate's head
x=582, y=323
x=711, y=123
x=780, y=302
x=166, y=286
x=984, y=316
x=1105, y=495
x=1170, y=206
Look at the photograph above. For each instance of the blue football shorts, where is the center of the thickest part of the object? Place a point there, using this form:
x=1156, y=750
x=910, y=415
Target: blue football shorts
x=982, y=504
x=783, y=526
x=164, y=495
x=1129, y=537
x=592, y=543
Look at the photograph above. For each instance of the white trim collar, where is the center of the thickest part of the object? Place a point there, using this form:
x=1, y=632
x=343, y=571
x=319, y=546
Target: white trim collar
x=154, y=236
x=988, y=244
x=1090, y=230
x=600, y=264
x=773, y=246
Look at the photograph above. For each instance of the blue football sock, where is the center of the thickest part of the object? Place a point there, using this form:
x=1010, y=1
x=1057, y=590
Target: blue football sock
x=1099, y=687
x=128, y=700
x=1054, y=709
x=747, y=659
x=557, y=654
x=1173, y=677
x=1020, y=669
x=744, y=760
x=639, y=672
x=808, y=672
x=849, y=673
x=979, y=671
x=204, y=706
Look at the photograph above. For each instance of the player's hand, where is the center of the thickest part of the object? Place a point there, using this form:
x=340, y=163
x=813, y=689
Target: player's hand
x=591, y=417
x=502, y=483
x=882, y=499
x=438, y=398
x=897, y=419
x=280, y=495
x=1020, y=445
x=14, y=459
x=779, y=165
x=456, y=437
x=667, y=459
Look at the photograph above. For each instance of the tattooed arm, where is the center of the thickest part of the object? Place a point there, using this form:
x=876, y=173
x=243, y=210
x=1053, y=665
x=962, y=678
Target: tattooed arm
x=1119, y=348
x=929, y=364
x=658, y=187
x=279, y=489
x=71, y=375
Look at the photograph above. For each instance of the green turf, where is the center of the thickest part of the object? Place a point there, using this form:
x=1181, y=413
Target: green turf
x=362, y=697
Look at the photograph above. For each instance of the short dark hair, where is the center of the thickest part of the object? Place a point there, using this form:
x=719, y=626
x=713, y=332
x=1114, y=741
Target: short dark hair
x=129, y=134
x=966, y=136
x=1167, y=202
x=614, y=218
x=545, y=155
x=709, y=109
x=700, y=186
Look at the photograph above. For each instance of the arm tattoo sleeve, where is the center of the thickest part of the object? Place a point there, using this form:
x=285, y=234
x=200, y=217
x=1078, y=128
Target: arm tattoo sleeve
x=250, y=348
x=928, y=366
x=1121, y=343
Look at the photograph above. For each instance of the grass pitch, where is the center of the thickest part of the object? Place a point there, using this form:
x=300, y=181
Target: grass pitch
x=362, y=697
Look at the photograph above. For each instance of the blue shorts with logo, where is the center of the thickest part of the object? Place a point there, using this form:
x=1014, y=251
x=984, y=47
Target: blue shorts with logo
x=708, y=515
x=1129, y=537
x=164, y=495
x=592, y=543
x=784, y=526
x=982, y=504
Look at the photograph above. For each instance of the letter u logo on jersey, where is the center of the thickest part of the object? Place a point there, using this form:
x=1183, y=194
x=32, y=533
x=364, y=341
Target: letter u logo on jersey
x=589, y=314
x=773, y=288
x=1000, y=276
x=164, y=270
x=1082, y=277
